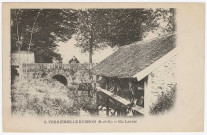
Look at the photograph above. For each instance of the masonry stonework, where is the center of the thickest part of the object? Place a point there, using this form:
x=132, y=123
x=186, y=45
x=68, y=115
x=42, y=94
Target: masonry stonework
x=161, y=80
x=78, y=78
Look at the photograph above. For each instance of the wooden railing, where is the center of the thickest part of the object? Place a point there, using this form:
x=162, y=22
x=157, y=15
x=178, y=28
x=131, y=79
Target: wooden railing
x=121, y=100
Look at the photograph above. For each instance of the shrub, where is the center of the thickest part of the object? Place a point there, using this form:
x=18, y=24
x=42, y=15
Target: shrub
x=43, y=98
x=164, y=102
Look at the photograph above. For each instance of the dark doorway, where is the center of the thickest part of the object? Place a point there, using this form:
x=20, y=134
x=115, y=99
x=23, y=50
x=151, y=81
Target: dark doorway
x=61, y=79
x=14, y=73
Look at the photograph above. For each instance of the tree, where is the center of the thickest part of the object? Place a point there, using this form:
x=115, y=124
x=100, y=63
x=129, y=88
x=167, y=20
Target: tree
x=168, y=16
x=98, y=28
x=165, y=18
x=88, y=34
x=42, y=30
x=16, y=40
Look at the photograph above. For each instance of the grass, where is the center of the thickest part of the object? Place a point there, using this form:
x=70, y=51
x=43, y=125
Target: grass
x=40, y=97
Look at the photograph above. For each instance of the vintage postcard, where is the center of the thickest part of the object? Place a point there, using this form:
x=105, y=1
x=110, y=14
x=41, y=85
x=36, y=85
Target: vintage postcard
x=103, y=67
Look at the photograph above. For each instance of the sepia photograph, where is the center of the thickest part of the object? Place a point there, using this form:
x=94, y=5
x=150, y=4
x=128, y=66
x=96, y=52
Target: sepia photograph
x=77, y=65
x=105, y=62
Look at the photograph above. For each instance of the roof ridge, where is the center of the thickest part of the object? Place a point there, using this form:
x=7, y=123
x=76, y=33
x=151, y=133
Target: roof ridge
x=148, y=40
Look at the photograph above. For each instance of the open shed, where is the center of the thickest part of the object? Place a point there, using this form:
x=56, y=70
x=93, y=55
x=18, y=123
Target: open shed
x=136, y=74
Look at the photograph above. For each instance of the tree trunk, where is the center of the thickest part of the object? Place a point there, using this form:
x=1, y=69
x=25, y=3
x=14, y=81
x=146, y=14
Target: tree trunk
x=90, y=54
x=91, y=48
x=30, y=41
x=19, y=49
x=18, y=38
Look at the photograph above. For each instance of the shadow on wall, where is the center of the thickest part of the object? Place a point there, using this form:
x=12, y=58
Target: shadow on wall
x=61, y=79
x=14, y=73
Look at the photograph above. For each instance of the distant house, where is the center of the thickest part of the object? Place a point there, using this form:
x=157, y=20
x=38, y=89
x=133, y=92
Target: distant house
x=24, y=57
x=20, y=58
x=139, y=73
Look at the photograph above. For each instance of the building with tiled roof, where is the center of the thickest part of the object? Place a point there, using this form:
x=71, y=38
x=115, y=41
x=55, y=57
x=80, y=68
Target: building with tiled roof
x=142, y=69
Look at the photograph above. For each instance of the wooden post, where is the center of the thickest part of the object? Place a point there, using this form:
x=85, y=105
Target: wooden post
x=97, y=101
x=118, y=109
x=118, y=112
x=96, y=93
x=123, y=111
x=107, y=106
x=94, y=80
x=146, y=96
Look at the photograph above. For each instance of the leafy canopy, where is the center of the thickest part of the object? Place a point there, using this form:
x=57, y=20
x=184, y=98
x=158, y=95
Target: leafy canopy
x=98, y=28
x=48, y=28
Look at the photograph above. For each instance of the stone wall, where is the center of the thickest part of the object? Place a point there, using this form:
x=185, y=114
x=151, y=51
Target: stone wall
x=78, y=78
x=74, y=73
x=88, y=99
x=161, y=80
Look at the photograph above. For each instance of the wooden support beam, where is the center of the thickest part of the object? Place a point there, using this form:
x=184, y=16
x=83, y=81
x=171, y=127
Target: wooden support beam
x=120, y=100
x=114, y=96
x=107, y=106
x=97, y=102
x=118, y=112
x=139, y=109
x=123, y=111
x=146, y=96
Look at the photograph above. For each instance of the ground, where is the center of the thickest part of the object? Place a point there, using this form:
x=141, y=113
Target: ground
x=51, y=98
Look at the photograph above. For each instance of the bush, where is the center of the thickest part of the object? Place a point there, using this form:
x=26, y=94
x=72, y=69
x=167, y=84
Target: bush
x=37, y=97
x=165, y=102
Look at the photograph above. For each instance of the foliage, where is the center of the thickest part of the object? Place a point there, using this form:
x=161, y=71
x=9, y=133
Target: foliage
x=98, y=28
x=50, y=98
x=165, y=102
x=165, y=20
x=42, y=29
x=168, y=16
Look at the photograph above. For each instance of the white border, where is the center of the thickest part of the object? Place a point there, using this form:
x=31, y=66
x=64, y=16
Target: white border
x=152, y=133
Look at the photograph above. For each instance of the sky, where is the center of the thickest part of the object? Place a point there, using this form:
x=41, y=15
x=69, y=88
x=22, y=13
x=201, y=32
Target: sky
x=68, y=50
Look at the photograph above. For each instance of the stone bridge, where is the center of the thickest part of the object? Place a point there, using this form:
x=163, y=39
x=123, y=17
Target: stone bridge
x=65, y=73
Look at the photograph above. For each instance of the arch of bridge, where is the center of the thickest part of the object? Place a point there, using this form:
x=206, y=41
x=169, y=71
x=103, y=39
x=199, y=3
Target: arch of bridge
x=62, y=72
x=78, y=73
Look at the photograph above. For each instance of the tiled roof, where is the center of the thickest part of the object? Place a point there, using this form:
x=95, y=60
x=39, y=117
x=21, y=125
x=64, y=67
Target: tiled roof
x=131, y=59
